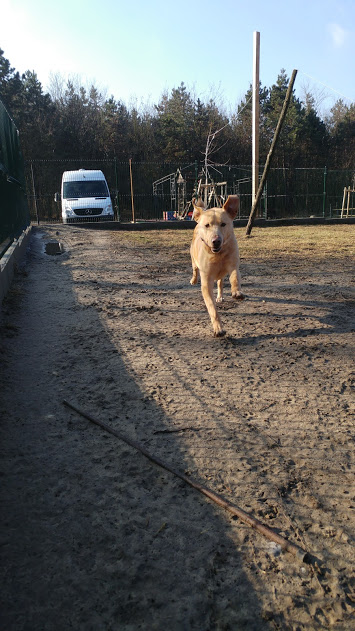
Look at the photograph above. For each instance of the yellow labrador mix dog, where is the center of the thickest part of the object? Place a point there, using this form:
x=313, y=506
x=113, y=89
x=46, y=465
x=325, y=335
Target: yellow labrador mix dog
x=214, y=253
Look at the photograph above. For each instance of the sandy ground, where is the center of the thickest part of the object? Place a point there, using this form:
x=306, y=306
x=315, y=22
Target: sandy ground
x=96, y=537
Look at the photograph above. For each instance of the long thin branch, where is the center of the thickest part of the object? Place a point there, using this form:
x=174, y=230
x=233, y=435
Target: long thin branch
x=285, y=545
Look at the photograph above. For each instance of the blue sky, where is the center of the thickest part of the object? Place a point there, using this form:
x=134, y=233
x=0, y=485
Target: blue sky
x=135, y=50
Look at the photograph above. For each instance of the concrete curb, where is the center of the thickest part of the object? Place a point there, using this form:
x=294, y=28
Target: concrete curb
x=13, y=255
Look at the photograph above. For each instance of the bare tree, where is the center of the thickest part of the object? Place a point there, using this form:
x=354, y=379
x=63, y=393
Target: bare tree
x=211, y=148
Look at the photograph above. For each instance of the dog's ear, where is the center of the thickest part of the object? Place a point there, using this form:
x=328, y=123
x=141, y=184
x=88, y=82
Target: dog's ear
x=199, y=208
x=198, y=203
x=231, y=206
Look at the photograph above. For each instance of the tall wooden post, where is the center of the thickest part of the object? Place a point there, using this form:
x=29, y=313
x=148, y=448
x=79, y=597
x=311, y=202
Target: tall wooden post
x=256, y=115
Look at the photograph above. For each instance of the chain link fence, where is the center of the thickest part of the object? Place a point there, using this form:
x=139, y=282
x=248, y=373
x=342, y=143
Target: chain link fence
x=145, y=191
x=14, y=213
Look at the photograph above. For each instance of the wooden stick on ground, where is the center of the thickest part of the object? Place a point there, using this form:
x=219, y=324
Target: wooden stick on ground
x=285, y=545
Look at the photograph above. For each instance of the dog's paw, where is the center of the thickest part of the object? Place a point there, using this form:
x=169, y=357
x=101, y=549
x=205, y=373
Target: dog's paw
x=238, y=296
x=193, y=281
x=219, y=299
x=220, y=333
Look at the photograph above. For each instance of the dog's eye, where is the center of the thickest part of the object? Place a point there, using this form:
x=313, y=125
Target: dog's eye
x=222, y=225
x=207, y=225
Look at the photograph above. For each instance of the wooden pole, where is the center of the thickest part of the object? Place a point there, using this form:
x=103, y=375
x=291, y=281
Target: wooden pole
x=343, y=204
x=271, y=152
x=285, y=545
x=255, y=115
x=132, y=196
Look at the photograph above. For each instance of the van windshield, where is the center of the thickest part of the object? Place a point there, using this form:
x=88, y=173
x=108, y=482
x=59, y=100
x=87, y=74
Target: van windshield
x=89, y=188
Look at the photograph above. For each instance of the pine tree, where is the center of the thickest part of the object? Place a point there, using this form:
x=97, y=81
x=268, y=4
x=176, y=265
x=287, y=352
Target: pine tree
x=341, y=125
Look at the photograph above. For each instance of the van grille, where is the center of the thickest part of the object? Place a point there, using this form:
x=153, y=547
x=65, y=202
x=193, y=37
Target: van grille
x=86, y=212
x=88, y=219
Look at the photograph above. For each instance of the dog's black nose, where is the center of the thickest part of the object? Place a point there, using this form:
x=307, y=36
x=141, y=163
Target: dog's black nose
x=216, y=244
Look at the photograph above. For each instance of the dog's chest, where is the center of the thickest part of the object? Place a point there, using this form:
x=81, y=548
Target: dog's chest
x=217, y=265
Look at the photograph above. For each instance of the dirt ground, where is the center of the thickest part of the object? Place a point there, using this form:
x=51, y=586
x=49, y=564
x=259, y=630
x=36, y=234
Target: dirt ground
x=94, y=536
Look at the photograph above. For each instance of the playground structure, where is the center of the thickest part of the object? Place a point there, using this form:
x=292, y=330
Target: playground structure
x=177, y=190
x=212, y=194
x=171, y=191
x=348, y=198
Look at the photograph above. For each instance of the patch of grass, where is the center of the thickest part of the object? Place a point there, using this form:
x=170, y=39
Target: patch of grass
x=315, y=242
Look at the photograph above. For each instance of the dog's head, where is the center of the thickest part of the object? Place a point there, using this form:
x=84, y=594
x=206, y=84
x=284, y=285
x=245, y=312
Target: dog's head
x=216, y=224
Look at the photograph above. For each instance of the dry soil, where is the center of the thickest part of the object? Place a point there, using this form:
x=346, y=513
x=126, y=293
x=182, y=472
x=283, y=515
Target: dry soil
x=94, y=536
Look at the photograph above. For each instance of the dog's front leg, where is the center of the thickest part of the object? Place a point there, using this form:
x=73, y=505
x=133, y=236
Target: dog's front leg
x=207, y=292
x=235, y=281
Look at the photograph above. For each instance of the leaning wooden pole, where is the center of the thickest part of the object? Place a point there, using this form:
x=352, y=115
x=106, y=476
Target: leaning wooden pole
x=270, y=154
x=285, y=545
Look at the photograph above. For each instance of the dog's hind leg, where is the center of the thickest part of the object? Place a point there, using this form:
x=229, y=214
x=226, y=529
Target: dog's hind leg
x=194, y=278
x=235, y=281
x=220, y=290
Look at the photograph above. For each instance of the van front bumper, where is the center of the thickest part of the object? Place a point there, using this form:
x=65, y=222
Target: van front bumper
x=86, y=218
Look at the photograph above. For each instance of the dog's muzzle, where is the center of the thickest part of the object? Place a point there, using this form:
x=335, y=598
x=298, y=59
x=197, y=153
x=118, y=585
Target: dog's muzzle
x=216, y=245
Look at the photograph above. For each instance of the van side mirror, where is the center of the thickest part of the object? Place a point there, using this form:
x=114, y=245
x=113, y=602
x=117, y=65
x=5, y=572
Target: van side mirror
x=57, y=197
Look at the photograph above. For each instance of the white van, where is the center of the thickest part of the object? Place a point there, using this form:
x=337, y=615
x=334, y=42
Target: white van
x=85, y=196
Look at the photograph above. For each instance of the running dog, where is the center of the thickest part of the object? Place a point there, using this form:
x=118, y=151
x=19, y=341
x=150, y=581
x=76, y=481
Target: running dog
x=214, y=253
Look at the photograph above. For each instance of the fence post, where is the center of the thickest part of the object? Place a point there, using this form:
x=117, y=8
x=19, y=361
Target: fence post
x=132, y=195
x=265, y=201
x=116, y=178
x=34, y=193
x=324, y=189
